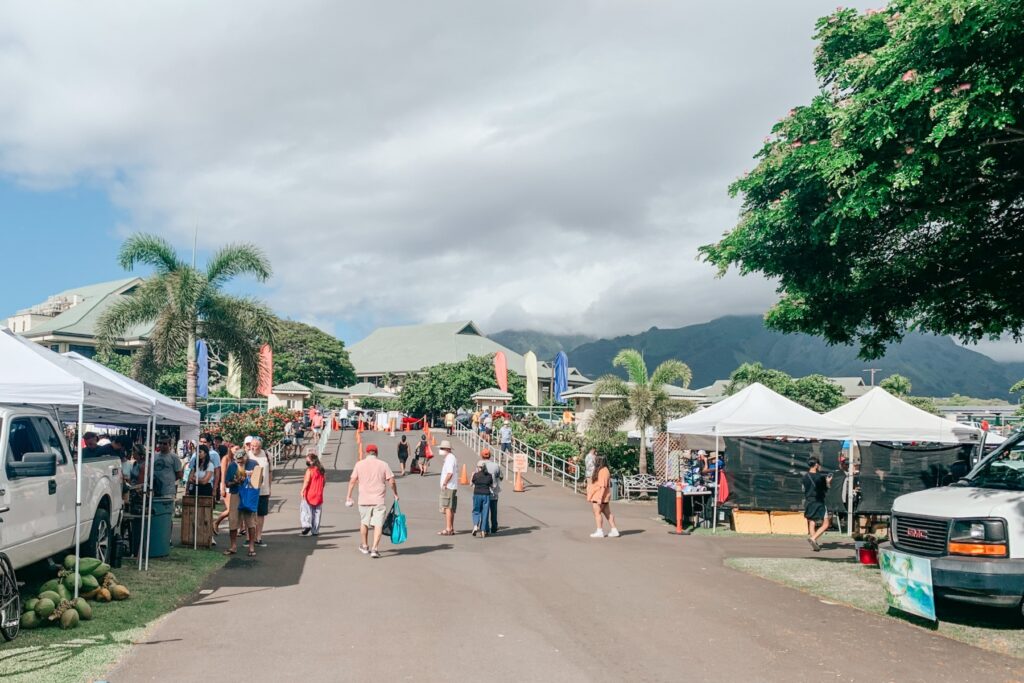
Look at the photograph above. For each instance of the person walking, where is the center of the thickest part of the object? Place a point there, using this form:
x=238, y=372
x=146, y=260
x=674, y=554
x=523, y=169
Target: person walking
x=599, y=493
x=816, y=485
x=495, y=471
x=475, y=419
x=422, y=460
x=449, y=489
x=449, y=422
x=263, y=460
x=482, y=483
x=312, y=495
x=505, y=437
x=403, y=454
x=372, y=475
x=235, y=476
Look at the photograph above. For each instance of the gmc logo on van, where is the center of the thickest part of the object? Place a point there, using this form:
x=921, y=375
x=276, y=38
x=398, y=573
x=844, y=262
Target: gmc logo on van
x=917, y=533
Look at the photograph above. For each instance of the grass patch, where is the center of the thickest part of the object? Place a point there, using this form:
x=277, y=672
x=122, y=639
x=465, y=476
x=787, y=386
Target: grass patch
x=850, y=583
x=86, y=652
x=828, y=537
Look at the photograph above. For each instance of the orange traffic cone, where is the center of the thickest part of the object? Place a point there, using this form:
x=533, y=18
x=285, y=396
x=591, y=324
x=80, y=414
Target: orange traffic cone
x=463, y=478
x=518, y=487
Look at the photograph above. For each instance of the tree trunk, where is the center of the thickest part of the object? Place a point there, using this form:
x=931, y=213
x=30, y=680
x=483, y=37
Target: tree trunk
x=643, y=450
x=190, y=371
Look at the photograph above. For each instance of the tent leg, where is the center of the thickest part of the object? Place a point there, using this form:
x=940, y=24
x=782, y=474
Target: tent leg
x=149, y=485
x=78, y=493
x=714, y=517
x=849, y=487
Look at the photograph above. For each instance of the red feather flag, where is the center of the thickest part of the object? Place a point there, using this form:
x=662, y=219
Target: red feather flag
x=265, y=385
x=501, y=370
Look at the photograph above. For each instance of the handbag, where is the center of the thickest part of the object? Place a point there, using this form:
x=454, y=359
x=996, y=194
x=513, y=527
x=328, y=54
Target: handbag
x=399, y=530
x=248, y=496
x=389, y=521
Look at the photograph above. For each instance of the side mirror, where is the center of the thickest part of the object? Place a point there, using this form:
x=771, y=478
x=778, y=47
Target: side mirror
x=34, y=465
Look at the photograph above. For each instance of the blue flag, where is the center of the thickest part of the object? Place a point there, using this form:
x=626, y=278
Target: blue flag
x=203, y=375
x=561, y=375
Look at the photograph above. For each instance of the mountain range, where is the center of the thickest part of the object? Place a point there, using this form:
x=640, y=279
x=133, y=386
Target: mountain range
x=936, y=365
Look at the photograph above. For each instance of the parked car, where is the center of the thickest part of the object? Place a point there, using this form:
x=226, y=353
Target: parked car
x=38, y=482
x=972, y=531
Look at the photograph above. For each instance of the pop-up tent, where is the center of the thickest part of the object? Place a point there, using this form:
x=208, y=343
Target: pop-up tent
x=34, y=375
x=756, y=411
x=880, y=416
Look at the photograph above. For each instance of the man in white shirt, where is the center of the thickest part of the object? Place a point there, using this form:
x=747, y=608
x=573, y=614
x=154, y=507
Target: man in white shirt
x=449, y=488
x=262, y=459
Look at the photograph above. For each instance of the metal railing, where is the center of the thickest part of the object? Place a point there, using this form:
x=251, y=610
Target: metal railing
x=560, y=470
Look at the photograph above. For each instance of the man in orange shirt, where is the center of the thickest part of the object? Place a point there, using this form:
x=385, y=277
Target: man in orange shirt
x=372, y=475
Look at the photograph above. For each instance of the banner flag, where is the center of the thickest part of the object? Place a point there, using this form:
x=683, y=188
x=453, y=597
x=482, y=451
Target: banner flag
x=532, y=386
x=266, y=380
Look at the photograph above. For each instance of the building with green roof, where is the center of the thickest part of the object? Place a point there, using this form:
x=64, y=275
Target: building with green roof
x=68, y=321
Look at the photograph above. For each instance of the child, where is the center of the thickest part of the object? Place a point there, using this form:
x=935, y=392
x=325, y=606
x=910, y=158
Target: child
x=312, y=496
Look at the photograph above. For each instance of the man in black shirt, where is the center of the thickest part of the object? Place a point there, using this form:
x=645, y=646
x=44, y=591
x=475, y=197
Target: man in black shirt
x=816, y=485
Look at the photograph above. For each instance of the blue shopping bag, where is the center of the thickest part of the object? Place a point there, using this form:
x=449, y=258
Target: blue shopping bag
x=399, y=530
x=248, y=497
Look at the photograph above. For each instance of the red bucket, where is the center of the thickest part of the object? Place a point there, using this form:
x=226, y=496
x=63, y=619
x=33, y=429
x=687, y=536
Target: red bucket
x=868, y=556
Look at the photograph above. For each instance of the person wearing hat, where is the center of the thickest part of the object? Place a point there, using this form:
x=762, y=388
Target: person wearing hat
x=166, y=469
x=372, y=475
x=449, y=489
x=237, y=472
x=494, y=469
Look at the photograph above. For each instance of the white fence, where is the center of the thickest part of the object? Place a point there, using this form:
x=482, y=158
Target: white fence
x=557, y=469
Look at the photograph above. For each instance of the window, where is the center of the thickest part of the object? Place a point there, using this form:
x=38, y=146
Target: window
x=49, y=440
x=22, y=439
x=87, y=351
x=1005, y=471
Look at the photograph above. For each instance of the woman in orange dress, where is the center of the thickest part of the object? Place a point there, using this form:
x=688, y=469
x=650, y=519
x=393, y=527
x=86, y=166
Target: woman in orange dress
x=599, y=493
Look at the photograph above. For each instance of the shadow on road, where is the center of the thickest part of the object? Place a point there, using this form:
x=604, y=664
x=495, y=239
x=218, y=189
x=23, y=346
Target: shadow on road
x=419, y=549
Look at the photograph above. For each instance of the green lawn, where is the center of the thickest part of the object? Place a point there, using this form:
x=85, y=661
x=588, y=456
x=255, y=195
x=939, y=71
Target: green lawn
x=86, y=652
x=856, y=585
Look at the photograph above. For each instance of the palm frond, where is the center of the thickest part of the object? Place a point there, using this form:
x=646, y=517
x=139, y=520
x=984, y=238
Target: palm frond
x=237, y=259
x=610, y=384
x=633, y=361
x=672, y=371
x=151, y=250
x=239, y=326
x=608, y=416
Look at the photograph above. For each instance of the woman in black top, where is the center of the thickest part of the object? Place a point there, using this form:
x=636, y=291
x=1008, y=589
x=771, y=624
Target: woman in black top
x=482, y=483
x=403, y=454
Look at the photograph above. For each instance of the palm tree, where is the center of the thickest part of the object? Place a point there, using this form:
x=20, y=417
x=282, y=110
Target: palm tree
x=644, y=398
x=898, y=385
x=186, y=304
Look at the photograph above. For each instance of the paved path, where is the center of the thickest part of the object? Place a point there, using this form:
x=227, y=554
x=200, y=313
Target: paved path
x=539, y=602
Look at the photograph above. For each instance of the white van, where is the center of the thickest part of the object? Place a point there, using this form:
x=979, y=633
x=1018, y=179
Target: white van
x=37, y=484
x=972, y=531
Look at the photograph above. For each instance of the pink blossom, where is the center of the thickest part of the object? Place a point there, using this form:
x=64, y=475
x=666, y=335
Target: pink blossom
x=791, y=112
x=962, y=86
x=873, y=12
x=909, y=76
x=813, y=142
x=767, y=140
x=908, y=150
x=797, y=144
x=937, y=88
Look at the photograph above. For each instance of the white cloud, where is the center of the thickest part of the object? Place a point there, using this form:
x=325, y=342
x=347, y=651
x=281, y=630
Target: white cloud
x=534, y=164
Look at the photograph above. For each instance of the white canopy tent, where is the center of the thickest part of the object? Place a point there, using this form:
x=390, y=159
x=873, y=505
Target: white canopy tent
x=164, y=411
x=756, y=411
x=880, y=416
x=33, y=375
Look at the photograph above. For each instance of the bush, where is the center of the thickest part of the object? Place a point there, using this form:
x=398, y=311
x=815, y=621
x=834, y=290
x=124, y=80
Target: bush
x=561, y=449
x=623, y=458
x=268, y=426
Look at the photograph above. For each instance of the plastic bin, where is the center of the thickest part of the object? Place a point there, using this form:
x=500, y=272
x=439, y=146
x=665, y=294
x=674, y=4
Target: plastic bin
x=160, y=528
x=615, y=488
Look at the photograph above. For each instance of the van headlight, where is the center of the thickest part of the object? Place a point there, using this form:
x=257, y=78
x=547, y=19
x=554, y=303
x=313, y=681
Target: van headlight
x=978, y=538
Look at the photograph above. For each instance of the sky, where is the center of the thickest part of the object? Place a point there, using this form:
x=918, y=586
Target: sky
x=544, y=165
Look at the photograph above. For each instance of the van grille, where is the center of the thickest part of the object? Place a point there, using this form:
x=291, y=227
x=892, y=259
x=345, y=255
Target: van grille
x=922, y=534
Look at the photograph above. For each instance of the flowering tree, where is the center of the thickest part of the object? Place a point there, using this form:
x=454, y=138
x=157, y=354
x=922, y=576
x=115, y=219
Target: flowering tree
x=269, y=426
x=895, y=199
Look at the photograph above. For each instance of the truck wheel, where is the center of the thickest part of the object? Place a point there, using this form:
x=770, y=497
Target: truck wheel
x=100, y=538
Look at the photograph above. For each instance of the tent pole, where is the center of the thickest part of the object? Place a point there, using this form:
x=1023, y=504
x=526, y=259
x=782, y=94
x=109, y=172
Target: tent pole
x=149, y=479
x=78, y=492
x=195, y=514
x=849, y=486
x=718, y=469
x=145, y=492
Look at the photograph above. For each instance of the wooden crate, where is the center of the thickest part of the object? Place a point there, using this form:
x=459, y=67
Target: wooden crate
x=205, y=529
x=751, y=522
x=789, y=523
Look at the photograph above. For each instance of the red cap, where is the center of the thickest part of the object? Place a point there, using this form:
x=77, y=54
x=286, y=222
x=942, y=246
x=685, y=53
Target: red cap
x=371, y=448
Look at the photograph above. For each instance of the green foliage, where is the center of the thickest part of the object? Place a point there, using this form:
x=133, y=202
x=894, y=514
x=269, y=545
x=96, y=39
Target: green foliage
x=816, y=392
x=923, y=403
x=186, y=304
x=304, y=354
x=370, y=403
x=269, y=426
x=897, y=385
x=118, y=362
x=449, y=386
x=561, y=449
x=623, y=458
x=892, y=200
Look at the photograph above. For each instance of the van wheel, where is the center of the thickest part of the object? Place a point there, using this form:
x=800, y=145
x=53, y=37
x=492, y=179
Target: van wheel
x=100, y=538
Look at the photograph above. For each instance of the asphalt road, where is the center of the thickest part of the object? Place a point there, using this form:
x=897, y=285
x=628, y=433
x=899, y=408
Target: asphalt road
x=539, y=602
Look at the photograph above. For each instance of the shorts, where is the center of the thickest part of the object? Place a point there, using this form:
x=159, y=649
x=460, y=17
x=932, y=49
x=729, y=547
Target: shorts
x=815, y=511
x=403, y=457
x=506, y=447
x=263, y=507
x=240, y=519
x=449, y=499
x=372, y=515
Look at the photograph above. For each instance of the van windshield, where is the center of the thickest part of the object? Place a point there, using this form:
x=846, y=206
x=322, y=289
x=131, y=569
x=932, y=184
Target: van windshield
x=1005, y=470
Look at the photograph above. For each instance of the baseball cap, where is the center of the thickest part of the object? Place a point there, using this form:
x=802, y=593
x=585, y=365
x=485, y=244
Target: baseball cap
x=240, y=454
x=485, y=453
x=372, y=448
x=249, y=439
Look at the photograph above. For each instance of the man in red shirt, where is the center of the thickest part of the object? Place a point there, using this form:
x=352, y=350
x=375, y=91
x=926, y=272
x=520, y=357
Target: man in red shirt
x=372, y=475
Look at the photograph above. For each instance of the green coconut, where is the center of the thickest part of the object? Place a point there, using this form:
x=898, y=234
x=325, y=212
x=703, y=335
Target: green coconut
x=69, y=619
x=51, y=596
x=30, y=604
x=50, y=585
x=83, y=608
x=44, y=608
x=31, y=620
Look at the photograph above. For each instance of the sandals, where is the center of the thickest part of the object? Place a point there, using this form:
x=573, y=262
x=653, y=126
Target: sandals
x=252, y=553
x=230, y=552
x=445, y=532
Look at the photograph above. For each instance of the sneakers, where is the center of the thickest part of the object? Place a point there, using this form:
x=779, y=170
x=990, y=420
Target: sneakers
x=598, y=534
x=305, y=531
x=364, y=550
x=614, y=533
x=261, y=543
x=374, y=554
x=476, y=529
x=814, y=544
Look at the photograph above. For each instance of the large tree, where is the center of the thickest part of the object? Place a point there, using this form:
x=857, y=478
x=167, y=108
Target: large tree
x=643, y=398
x=186, y=303
x=448, y=386
x=894, y=199
x=816, y=392
x=304, y=354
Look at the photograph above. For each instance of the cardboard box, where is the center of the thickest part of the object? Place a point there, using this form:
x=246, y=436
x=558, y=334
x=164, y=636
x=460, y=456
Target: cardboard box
x=751, y=522
x=789, y=523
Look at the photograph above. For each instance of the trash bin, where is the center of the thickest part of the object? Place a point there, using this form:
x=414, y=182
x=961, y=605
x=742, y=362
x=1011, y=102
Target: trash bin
x=160, y=528
x=615, y=489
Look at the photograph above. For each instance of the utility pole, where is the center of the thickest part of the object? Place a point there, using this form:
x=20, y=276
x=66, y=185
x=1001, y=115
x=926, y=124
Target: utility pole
x=872, y=371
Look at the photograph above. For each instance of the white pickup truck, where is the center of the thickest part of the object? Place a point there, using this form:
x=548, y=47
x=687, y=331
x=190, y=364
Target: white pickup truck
x=37, y=484
x=972, y=531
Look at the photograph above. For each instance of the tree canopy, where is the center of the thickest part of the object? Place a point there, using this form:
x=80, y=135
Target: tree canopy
x=816, y=392
x=894, y=199
x=449, y=386
x=897, y=385
x=305, y=354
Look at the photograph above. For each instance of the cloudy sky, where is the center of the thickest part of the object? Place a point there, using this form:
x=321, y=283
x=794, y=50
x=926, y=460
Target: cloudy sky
x=551, y=165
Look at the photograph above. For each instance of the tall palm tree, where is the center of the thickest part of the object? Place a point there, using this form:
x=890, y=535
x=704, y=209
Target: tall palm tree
x=644, y=398
x=187, y=303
